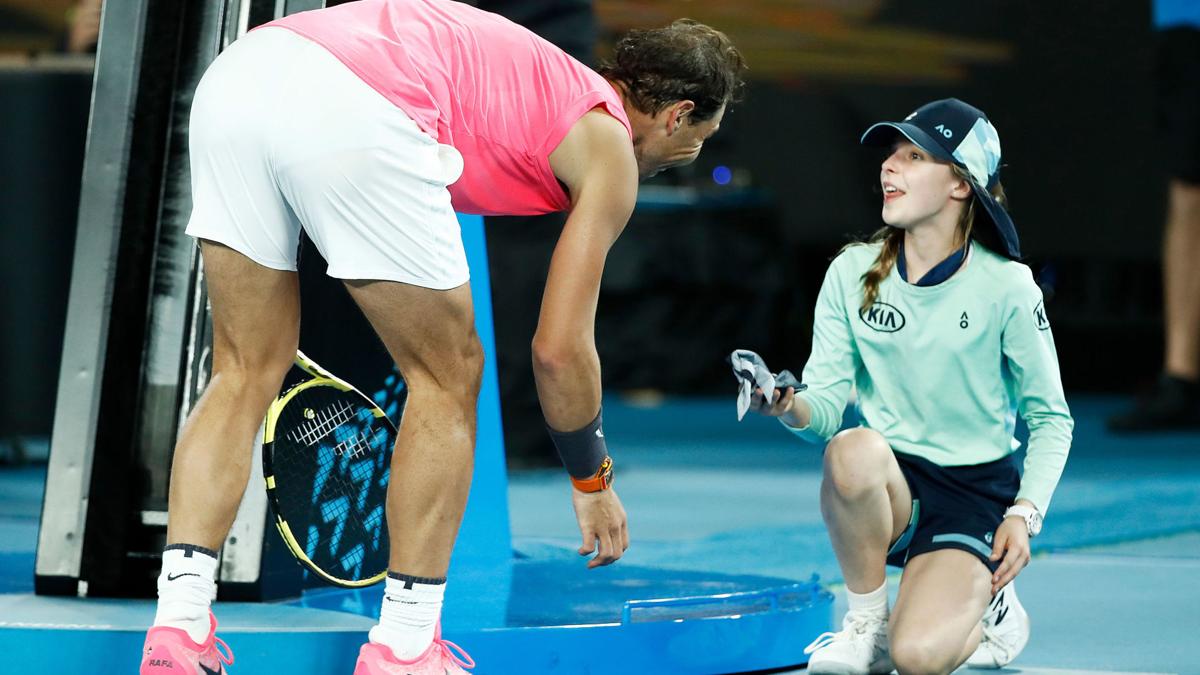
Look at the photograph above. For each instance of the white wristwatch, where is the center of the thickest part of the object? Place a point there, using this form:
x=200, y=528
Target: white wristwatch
x=1033, y=518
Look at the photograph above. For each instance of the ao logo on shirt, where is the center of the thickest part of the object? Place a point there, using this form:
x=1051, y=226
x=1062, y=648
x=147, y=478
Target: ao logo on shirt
x=882, y=317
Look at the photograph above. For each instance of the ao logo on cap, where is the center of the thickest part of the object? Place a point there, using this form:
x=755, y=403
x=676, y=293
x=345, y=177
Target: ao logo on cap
x=882, y=317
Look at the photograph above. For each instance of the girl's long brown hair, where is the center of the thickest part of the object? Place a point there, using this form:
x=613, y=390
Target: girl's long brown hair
x=892, y=239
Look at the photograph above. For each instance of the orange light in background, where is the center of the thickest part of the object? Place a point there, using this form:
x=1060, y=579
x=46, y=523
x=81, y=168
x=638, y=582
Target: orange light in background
x=816, y=39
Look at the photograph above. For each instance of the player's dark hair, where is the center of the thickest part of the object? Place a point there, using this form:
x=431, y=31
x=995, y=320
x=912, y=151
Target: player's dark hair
x=686, y=60
x=892, y=239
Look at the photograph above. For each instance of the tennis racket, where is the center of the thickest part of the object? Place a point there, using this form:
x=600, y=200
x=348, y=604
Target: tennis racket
x=327, y=449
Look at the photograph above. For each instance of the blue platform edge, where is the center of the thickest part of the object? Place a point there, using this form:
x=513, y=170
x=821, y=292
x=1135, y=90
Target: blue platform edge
x=525, y=615
x=759, y=627
x=485, y=538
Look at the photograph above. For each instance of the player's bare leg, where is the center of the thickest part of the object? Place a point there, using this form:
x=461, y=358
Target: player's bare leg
x=1175, y=400
x=1181, y=282
x=431, y=336
x=256, y=319
x=256, y=323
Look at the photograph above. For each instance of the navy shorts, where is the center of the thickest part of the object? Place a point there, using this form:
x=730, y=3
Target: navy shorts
x=1178, y=94
x=954, y=507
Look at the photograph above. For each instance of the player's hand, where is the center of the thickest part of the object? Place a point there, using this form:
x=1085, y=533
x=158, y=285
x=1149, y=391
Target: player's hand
x=602, y=524
x=1012, y=546
x=781, y=401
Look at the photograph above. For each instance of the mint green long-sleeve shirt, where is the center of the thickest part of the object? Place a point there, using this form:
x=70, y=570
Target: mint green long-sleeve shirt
x=942, y=370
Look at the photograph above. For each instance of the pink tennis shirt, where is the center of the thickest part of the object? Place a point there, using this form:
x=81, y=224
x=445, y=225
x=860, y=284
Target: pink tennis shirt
x=501, y=95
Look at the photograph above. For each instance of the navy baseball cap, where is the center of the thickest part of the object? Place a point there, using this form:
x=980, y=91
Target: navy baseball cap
x=958, y=133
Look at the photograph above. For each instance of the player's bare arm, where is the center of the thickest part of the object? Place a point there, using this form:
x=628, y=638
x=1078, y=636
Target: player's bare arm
x=596, y=163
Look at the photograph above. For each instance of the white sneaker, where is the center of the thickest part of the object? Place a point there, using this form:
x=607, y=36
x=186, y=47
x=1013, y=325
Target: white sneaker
x=1005, y=631
x=861, y=647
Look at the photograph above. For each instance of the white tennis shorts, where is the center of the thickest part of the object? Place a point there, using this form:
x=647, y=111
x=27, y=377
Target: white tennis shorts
x=284, y=137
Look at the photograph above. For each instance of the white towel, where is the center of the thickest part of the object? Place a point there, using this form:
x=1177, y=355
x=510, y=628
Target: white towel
x=752, y=372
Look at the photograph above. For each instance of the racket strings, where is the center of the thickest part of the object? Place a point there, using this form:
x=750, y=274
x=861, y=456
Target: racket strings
x=322, y=423
x=360, y=439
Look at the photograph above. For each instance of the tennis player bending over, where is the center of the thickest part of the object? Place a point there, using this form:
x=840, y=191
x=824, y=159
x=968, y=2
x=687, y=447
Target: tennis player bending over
x=944, y=336
x=368, y=125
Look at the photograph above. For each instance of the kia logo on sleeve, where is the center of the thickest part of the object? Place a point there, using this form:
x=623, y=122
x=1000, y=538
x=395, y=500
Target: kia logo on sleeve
x=1039, y=316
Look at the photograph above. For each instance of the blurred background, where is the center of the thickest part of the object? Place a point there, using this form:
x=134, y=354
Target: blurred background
x=728, y=252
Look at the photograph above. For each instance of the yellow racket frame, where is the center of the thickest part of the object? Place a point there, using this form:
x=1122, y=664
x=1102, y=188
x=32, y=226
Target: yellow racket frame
x=320, y=378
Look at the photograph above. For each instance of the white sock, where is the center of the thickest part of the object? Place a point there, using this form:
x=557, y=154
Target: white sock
x=410, y=613
x=874, y=602
x=186, y=589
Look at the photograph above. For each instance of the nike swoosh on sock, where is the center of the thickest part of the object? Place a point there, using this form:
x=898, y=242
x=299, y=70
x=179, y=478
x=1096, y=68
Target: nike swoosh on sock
x=173, y=577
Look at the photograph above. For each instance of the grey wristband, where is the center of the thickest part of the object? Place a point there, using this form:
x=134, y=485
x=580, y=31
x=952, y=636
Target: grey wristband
x=581, y=451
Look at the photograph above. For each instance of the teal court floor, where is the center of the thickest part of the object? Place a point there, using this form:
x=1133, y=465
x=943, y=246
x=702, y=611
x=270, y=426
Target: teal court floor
x=1114, y=586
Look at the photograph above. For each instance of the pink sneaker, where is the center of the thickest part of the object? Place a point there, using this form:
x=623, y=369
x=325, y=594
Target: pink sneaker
x=171, y=651
x=439, y=659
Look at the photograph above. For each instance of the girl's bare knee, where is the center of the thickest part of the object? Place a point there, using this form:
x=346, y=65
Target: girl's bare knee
x=913, y=654
x=855, y=461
